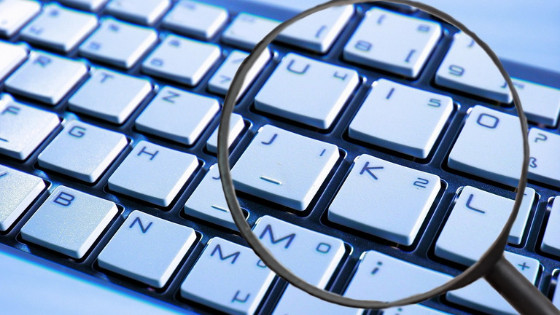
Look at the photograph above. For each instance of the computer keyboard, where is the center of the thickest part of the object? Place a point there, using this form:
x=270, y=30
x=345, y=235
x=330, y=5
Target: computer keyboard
x=374, y=149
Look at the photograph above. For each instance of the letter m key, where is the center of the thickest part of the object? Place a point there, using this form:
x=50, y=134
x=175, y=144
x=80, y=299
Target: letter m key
x=288, y=238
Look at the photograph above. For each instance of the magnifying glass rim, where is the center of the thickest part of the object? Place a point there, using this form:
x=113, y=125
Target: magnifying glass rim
x=471, y=274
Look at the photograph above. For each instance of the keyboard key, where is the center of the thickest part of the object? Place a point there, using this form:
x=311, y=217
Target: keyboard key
x=556, y=297
x=307, y=91
x=284, y=167
x=318, y=31
x=242, y=276
x=17, y=192
x=51, y=29
x=294, y=302
x=520, y=224
x=543, y=163
x=153, y=173
x=489, y=133
x=384, y=278
x=414, y=309
x=477, y=219
x=482, y=297
x=540, y=103
x=310, y=255
x=145, y=12
x=178, y=115
x=14, y=14
x=45, y=77
x=168, y=60
x=147, y=249
x=221, y=80
x=110, y=96
x=236, y=127
x=401, y=118
x=88, y=5
x=467, y=68
x=393, y=42
x=195, y=19
x=82, y=151
x=69, y=222
x=118, y=43
x=373, y=181
x=24, y=127
x=551, y=239
x=208, y=203
x=12, y=56
x=247, y=30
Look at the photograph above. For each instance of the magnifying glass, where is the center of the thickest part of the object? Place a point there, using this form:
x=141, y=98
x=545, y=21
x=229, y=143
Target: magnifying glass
x=492, y=265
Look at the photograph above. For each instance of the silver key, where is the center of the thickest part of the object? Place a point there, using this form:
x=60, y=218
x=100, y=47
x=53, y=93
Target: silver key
x=82, y=151
x=51, y=29
x=242, y=276
x=14, y=14
x=69, y=222
x=307, y=91
x=543, y=161
x=45, y=77
x=284, y=167
x=297, y=302
x=168, y=60
x=12, y=56
x=178, y=115
x=145, y=12
x=153, y=173
x=110, y=96
x=551, y=239
x=236, y=127
x=118, y=43
x=401, y=118
x=195, y=19
x=247, y=30
x=24, y=127
x=88, y=5
x=17, y=192
x=541, y=103
x=147, y=249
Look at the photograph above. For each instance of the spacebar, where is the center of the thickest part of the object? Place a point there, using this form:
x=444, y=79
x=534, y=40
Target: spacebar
x=32, y=285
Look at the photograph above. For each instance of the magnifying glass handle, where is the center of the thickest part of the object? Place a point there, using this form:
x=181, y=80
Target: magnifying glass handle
x=518, y=291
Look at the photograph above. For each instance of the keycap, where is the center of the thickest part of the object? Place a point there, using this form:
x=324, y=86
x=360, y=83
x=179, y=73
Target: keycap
x=543, y=164
x=153, y=173
x=147, y=249
x=551, y=239
x=41, y=280
x=178, y=115
x=24, y=127
x=221, y=80
x=318, y=31
x=69, y=222
x=195, y=19
x=468, y=69
x=246, y=30
x=373, y=181
x=477, y=218
x=12, y=56
x=182, y=60
x=17, y=191
x=82, y=151
x=110, y=95
x=482, y=297
x=284, y=167
x=540, y=103
x=236, y=127
x=45, y=77
x=51, y=29
x=310, y=255
x=208, y=203
x=520, y=224
x=243, y=278
x=14, y=14
x=401, y=118
x=385, y=278
x=414, y=309
x=294, y=302
x=489, y=133
x=145, y=12
x=118, y=43
x=88, y=5
x=393, y=42
x=556, y=297
x=307, y=91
